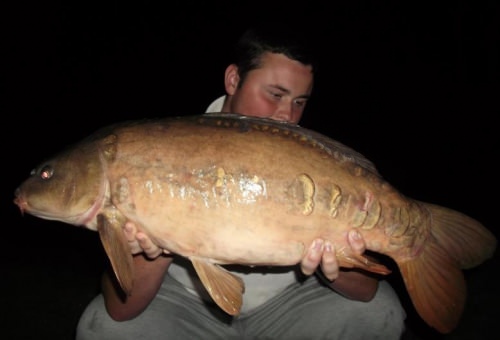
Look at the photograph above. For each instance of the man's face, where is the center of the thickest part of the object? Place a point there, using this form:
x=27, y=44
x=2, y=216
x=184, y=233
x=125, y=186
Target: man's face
x=279, y=90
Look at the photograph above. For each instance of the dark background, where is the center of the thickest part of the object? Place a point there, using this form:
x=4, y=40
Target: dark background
x=411, y=85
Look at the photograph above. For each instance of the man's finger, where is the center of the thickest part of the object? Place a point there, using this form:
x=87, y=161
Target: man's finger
x=329, y=263
x=356, y=242
x=150, y=249
x=312, y=258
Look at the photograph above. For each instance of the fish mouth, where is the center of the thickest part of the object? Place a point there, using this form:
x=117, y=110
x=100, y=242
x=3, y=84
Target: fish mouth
x=24, y=207
x=86, y=218
x=20, y=202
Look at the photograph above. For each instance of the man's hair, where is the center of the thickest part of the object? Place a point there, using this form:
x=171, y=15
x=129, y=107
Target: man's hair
x=256, y=41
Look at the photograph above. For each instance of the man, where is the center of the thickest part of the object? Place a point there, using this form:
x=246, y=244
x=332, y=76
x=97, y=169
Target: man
x=272, y=78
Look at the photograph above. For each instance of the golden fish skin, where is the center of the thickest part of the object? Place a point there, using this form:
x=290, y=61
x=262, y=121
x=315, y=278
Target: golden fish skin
x=229, y=189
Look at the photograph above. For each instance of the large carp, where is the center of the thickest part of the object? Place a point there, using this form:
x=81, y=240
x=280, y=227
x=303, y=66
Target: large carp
x=229, y=189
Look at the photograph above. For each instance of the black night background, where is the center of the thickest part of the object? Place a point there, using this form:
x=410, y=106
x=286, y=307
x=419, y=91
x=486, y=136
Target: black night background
x=411, y=85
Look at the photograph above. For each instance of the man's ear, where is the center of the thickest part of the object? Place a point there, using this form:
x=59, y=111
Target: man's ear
x=231, y=79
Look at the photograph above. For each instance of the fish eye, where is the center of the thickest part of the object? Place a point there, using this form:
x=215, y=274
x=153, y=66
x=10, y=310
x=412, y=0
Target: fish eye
x=46, y=172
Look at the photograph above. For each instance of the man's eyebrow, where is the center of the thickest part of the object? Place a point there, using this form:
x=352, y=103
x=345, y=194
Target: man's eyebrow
x=281, y=88
x=287, y=91
x=303, y=96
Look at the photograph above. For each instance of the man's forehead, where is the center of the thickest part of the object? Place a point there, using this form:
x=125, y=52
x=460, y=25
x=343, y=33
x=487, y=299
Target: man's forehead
x=280, y=66
x=284, y=74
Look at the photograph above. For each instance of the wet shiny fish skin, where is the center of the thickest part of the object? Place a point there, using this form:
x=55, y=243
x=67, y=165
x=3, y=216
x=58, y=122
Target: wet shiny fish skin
x=229, y=189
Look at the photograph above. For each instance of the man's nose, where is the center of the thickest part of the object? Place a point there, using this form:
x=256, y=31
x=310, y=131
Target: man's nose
x=284, y=112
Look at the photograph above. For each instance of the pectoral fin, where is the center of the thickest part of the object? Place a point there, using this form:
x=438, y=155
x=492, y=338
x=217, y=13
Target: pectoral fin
x=226, y=289
x=116, y=246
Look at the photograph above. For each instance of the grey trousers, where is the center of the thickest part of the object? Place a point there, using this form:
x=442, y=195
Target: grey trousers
x=306, y=310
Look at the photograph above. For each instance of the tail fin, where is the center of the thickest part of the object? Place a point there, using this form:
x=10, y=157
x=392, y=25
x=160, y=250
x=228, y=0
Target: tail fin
x=462, y=237
x=434, y=280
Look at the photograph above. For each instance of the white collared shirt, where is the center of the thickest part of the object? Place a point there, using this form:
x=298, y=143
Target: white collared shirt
x=216, y=105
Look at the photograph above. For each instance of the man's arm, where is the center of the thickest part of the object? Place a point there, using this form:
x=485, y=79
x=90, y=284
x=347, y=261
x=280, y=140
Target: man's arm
x=355, y=285
x=149, y=276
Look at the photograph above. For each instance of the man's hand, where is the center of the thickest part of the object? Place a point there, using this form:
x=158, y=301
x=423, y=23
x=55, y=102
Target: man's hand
x=140, y=242
x=322, y=254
